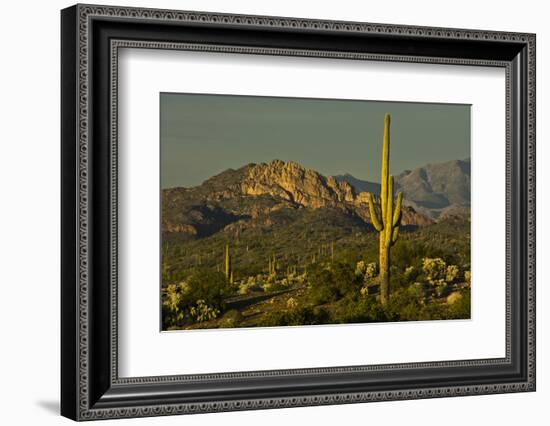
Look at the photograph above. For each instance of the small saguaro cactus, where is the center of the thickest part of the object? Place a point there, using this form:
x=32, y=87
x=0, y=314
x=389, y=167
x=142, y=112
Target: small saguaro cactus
x=228, y=269
x=390, y=219
x=272, y=266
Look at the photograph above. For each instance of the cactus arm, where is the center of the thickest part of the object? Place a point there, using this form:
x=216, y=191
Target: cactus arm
x=373, y=216
x=395, y=235
x=397, y=211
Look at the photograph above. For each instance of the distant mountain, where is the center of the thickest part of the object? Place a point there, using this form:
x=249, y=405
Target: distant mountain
x=435, y=190
x=358, y=184
x=260, y=197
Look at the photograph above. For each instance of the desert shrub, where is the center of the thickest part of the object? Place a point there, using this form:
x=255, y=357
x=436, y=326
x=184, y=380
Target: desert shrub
x=267, y=285
x=435, y=269
x=249, y=285
x=452, y=273
x=196, y=300
x=209, y=286
x=443, y=311
x=201, y=312
x=371, y=271
x=436, y=273
x=461, y=308
x=433, y=311
x=360, y=268
x=304, y=315
x=321, y=294
x=285, y=282
x=243, y=288
x=231, y=319
x=406, y=303
x=410, y=273
x=405, y=253
x=454, y=297
x=173, y=304
x=174, y=294
x=366, y=271
x=300, y=279
x=344, y=279
x=291, y=303
x=356, y=310
x=330, y=284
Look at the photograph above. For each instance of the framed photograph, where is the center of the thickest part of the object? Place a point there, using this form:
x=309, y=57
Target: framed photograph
x=263, y=212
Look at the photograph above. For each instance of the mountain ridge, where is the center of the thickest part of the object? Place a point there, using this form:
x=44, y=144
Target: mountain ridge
x=437, y=190
x=263, y=195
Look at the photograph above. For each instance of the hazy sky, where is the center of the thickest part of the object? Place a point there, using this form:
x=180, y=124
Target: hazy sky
x=203, y=135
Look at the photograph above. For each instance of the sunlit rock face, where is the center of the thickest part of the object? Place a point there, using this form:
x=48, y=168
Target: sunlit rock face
x=252, y=194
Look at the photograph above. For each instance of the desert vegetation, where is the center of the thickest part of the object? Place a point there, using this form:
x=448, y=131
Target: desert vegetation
x=280, y=245
x=322, y=277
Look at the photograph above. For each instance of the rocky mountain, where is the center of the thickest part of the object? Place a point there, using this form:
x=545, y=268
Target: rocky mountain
x=358, y=184
x=262, y=196
x=436, y=190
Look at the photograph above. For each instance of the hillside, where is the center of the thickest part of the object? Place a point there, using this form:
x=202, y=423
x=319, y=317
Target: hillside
x=275, y=244
x=264, y=196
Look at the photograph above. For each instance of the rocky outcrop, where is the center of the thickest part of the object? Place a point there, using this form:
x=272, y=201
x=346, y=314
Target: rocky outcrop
x=308, y=188
x=294, y=183
x=182, y=228
x=253, y=194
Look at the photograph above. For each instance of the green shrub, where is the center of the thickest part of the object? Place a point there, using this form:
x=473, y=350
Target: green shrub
x=209, y=286
x=360, y=268
x=461, y=308
x=410, y=273
x=198, y=299
x=231, y=319
x=435, y=269
x=305, y=315
x=406, y=303
x=452, y=273
x=330, y=284
x=251, y=284
x=405, y=253
x=291, y=303
x=201, y=312
x=173, y=304
x=357, y=310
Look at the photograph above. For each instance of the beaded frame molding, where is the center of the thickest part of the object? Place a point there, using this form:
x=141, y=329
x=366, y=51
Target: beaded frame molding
x=91, y=38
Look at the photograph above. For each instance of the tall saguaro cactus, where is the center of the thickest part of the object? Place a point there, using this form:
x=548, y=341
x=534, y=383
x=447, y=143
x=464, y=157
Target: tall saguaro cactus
x=228, y=269
x=387, y=224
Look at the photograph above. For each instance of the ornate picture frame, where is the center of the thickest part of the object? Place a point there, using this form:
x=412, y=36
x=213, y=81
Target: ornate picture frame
x=91, y=37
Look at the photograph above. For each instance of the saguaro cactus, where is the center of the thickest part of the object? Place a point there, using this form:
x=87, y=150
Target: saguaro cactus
x=228, y=271
x=390, y=219
x=272, y=267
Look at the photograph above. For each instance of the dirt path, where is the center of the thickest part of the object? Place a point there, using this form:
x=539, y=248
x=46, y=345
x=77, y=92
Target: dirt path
x=241, y=302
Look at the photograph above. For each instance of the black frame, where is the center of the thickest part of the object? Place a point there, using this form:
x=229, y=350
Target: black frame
x=90, y=386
